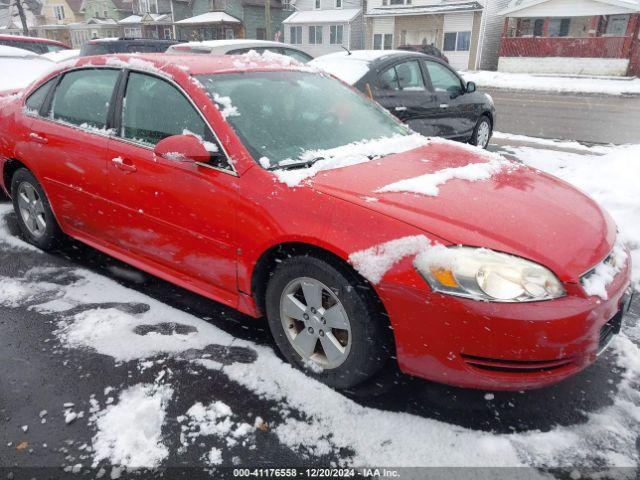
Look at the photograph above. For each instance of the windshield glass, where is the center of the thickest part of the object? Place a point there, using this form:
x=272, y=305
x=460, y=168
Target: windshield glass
x=281, y=115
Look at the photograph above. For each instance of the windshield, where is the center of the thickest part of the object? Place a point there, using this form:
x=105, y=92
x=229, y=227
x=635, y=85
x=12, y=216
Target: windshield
x=281, y=115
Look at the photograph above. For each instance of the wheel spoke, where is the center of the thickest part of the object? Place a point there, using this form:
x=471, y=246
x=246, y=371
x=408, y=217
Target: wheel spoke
x=331, y=347
x=23, y=200
x=292, y=307
x=41, y=224
x=336, y=318
x=306, y=342
x=312, y=294
x=31, y=223
x=31, y=193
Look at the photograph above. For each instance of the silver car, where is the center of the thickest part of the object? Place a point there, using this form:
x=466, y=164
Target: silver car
x=238, y=47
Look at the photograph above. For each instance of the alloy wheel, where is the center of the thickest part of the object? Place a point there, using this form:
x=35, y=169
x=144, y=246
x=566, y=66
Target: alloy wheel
x=315, y=322
x=482, y=136
x=32, y=209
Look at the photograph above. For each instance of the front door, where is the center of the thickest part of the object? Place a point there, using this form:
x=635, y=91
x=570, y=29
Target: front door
x=180, y=217
x=68, y=145
x=402, y=90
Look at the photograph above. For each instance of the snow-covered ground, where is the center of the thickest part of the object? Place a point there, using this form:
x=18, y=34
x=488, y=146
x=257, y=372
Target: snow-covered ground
x=551, y=83
x=313, y=418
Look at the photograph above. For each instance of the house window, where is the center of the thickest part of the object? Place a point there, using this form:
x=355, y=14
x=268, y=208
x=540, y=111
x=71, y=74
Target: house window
x=316, y=4
x=396, y=2
x=617, y=25
x=58, y=12
x=338, y=3
x=457, y=41
x=559, y=27
x=286, y=5
x=383, y=41
x=315, y=35
x=168, y=34
x=229, y=34
x=296, y=35
x=261, y=33
x=335, y=34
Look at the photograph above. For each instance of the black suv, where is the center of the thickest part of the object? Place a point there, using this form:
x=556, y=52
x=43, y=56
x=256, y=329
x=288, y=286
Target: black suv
x=105, y=46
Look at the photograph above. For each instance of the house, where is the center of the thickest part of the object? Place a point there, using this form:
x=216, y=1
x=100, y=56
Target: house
x=325, y=26
x=228, y=19
x=595, y=37
x=92, y=29
x=153, y=18
x=452, y=26
x=107, y=9
x=56, y=15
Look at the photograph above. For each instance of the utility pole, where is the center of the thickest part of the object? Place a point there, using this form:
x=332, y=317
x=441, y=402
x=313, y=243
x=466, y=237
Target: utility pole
x=23, y=18
x=267, y=19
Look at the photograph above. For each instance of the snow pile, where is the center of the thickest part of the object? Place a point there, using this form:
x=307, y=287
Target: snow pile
x=253, y=59
x=130, y=432
x=523, y=81
x=372, y=263
x=228, y=110
x=596, y=283
x=347, y=155
x=611, y=179
x=428, y=184
x=23, y=71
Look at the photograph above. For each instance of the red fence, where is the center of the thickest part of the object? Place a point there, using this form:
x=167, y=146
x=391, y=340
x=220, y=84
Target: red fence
x=590, y=47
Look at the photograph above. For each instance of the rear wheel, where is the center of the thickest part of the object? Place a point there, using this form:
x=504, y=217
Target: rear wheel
x=324, y=324
x=482, y=132
x=33, y=211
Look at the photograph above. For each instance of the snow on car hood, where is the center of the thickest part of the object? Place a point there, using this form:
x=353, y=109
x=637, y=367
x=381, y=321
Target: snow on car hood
x=514, y=209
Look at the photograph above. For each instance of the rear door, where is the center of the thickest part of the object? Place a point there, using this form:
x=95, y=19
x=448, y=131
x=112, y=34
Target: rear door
x=178, y=216
x=68, y=143
x=455, y=116
x=403, y=91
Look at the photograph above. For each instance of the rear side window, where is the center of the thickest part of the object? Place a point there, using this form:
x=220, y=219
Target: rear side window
x=141, y=48
x=31, y=46
x=82, y=97
x=405, y=76
x=299, y=56
x=154, y=109
x=95, y=49
x=36, y=99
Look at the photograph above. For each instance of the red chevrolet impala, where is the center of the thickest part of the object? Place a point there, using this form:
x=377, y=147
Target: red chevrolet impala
x=278, y=190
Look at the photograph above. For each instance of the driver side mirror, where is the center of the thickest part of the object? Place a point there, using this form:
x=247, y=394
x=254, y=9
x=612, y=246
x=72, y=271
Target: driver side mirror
x=185, y=148
x=471, y=87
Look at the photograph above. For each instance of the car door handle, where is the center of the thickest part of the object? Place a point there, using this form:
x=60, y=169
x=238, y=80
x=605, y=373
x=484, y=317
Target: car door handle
x=38, y=138
x=401, y=109
x=124, y=165
x=444, y=105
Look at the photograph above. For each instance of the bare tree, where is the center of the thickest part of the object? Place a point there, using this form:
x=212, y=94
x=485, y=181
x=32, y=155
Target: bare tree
x=23, y=17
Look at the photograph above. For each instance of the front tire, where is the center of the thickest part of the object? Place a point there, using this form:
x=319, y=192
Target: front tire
x=33, y=211
x=482, y=132
x=324, y=321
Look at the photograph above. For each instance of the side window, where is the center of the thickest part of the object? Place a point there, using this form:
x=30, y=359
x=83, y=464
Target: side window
x=443, y=79
x=297, y=55
x=36, y=99
x=141, y=48
x=83, y=96
x=154, y=109
x=405, y=76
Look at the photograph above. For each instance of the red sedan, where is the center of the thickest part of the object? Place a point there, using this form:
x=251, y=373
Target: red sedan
x=278, y=190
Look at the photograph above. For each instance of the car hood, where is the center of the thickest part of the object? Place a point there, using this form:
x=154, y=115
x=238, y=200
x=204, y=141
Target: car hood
x=518, y=210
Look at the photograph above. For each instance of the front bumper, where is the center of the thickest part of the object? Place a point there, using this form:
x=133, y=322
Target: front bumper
x=503, y=346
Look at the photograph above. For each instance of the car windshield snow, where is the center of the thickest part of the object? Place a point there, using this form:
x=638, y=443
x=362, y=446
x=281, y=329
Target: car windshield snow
x=281, y=115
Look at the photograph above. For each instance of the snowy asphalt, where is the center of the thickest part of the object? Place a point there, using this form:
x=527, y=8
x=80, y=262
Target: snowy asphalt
x=39, y=373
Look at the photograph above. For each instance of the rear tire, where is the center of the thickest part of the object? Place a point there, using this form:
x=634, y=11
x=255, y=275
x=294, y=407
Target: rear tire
x=33, y=211
x=482, y=132
x=306, y=299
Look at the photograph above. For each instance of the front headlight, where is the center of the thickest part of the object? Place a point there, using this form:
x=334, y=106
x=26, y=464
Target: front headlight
x=483, y=274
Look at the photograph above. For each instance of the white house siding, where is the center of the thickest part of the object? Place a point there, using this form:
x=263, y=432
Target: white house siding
x=458, y=22
x=381, y=25
x=564, y=65
x=570, y=8
x=491, y=33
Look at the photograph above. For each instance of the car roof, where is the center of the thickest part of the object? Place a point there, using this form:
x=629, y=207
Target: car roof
x=126, y=39
x=368, y=56
x=227, y=45
x=22, y=38
x=193, y=64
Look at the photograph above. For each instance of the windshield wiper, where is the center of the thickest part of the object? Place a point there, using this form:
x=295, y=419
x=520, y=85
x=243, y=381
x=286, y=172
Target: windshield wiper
x=292, y=166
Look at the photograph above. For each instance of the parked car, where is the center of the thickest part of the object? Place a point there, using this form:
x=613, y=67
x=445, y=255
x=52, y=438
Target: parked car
x=33, y=44
x=422, y=91
x=237, y=47
x=21, y=67
x=426, y=49
x=106, y=46
x=266, y=188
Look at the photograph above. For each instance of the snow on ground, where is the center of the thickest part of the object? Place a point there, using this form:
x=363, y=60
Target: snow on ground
x=326, y=421
x=129, y=433
x=610, y=178
x=577, y=84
